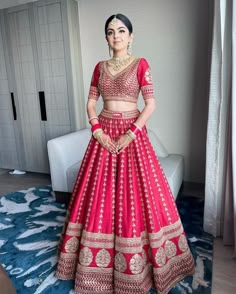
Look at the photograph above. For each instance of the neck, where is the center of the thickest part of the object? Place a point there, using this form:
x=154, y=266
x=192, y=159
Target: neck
x=121, y=57
x=120, y=54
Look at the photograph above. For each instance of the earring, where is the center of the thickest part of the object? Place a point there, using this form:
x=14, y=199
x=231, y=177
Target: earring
x=129, y=48
x=109, y=48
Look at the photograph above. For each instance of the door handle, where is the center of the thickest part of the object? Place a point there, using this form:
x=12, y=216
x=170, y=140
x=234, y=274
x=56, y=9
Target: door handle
x=13, y=106
x=42, y=106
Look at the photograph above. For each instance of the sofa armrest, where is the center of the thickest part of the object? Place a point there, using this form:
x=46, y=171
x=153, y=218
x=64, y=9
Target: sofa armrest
x=63, y=152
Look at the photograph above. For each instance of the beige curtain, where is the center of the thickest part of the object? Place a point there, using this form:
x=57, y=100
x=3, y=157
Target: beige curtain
x=220, y=189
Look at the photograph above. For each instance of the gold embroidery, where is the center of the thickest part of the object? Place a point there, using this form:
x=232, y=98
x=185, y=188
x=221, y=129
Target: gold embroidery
x=73, y=229
x=85, y=256
x=94, y=280
x=160, y=257
x=136, y=264
x=97, y=240
x=148, y=91
x=72, y=245
x=148, y=76
x=170, y=249
x=127, y=278
x=120, y=262
x=93, y=93
x=103, y=258
x=183, y=243
x=166, y=233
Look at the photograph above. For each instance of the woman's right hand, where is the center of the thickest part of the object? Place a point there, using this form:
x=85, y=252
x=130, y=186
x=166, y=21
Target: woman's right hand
x=107, y=142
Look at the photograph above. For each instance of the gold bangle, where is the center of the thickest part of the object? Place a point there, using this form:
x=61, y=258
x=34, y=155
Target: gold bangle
x=97, y=133
x=93, y=117
x=131, y=134
x=137, y=126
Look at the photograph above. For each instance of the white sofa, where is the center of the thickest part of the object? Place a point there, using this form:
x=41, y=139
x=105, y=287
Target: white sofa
x=66, y=153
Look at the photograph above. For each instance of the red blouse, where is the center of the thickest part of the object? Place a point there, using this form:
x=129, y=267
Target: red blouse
x=125, y=85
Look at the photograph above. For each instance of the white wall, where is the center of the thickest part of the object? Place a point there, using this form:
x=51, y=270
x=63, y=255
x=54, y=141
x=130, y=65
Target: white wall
x=173, y=35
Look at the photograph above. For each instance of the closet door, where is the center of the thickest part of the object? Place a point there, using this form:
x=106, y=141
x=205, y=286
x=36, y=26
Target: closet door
x=51, y=31
x=24, y=66
x=8, y=115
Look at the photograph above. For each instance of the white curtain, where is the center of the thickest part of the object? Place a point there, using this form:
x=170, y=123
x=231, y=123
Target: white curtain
x=220, y=182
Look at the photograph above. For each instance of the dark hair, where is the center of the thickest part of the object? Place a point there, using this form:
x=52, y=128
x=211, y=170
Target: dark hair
x=122, y=18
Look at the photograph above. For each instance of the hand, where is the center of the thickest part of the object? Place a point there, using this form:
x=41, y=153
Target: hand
x=107, y=142
x=123, y=142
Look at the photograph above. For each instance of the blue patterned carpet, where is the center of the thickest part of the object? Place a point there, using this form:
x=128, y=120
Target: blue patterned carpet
x=30, y=226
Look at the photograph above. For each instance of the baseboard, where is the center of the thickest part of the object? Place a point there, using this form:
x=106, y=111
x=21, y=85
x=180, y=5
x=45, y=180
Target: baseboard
x=62, y=197
x=193, y=189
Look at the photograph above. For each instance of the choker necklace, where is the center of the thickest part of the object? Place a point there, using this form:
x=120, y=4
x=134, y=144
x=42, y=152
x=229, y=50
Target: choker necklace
x=117, y=62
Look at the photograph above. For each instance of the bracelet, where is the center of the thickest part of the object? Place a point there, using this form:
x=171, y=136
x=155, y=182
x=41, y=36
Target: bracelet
x=137, y=126
x=134, y=129
x=131, y=134
x=93, y=117
x=95, y=127
x=97, y=133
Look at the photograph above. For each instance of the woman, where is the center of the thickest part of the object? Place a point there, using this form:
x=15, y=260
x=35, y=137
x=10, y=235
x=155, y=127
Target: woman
x=123, y=233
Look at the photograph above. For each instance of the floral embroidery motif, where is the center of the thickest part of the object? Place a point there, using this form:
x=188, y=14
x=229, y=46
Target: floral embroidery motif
x=148, y=76
x=183, y=243
x=72, y=245
x=103, y=258
x=136, y=264
x=120, y=262
x=85, y=256
x=160, y=257
x=170, y=249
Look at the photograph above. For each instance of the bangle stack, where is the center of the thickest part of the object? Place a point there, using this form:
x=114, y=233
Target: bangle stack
x=133, y=131
x=97, y=130
x=93, y=117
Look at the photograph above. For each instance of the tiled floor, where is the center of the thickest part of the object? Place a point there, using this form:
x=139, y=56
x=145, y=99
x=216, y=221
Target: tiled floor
x=224, y=267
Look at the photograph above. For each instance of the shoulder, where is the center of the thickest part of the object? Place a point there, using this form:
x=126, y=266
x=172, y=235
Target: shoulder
x=144, y=72
x=143, y=65
x=98, y=67
x=143, y=62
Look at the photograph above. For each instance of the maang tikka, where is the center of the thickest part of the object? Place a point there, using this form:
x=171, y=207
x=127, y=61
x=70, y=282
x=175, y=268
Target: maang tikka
x=114, y=20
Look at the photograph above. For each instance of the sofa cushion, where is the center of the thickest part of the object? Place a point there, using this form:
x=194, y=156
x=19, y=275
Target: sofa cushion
x=173, y=167
x=157, y=145
x=71, y=175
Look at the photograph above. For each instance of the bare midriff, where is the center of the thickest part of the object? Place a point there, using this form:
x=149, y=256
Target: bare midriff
x=120, y=105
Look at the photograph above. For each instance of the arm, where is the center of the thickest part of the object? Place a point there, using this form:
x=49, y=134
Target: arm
x=91, y=111
x=101, y=137
x=97, y=131
x=150, y=105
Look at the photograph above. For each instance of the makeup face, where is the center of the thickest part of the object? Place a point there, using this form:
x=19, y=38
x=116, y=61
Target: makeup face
x=118, y=36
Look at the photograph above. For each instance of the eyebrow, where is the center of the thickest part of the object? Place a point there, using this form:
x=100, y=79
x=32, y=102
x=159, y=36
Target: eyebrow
x=117, y=29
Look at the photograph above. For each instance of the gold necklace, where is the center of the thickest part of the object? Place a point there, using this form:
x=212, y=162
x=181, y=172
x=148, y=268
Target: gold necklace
x=117, y=62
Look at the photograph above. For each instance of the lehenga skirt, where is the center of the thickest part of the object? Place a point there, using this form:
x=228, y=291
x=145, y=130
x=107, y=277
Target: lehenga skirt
x=122, y=233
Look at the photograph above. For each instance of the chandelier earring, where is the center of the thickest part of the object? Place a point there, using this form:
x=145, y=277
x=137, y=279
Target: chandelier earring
x=129, y=48
x=109, y=48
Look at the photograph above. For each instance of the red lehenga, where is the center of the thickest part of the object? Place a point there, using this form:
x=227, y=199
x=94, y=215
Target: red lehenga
x=122, y=233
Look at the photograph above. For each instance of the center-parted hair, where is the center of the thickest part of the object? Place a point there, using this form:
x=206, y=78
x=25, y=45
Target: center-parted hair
x=122, y=18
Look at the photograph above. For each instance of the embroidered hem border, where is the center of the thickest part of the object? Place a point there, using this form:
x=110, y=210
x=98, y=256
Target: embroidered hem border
x=92, y=280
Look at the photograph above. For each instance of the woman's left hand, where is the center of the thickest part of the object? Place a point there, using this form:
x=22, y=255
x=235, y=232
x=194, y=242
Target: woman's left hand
x=123, y=142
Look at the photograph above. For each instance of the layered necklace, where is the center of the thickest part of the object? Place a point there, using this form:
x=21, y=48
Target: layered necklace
x=116, y=63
